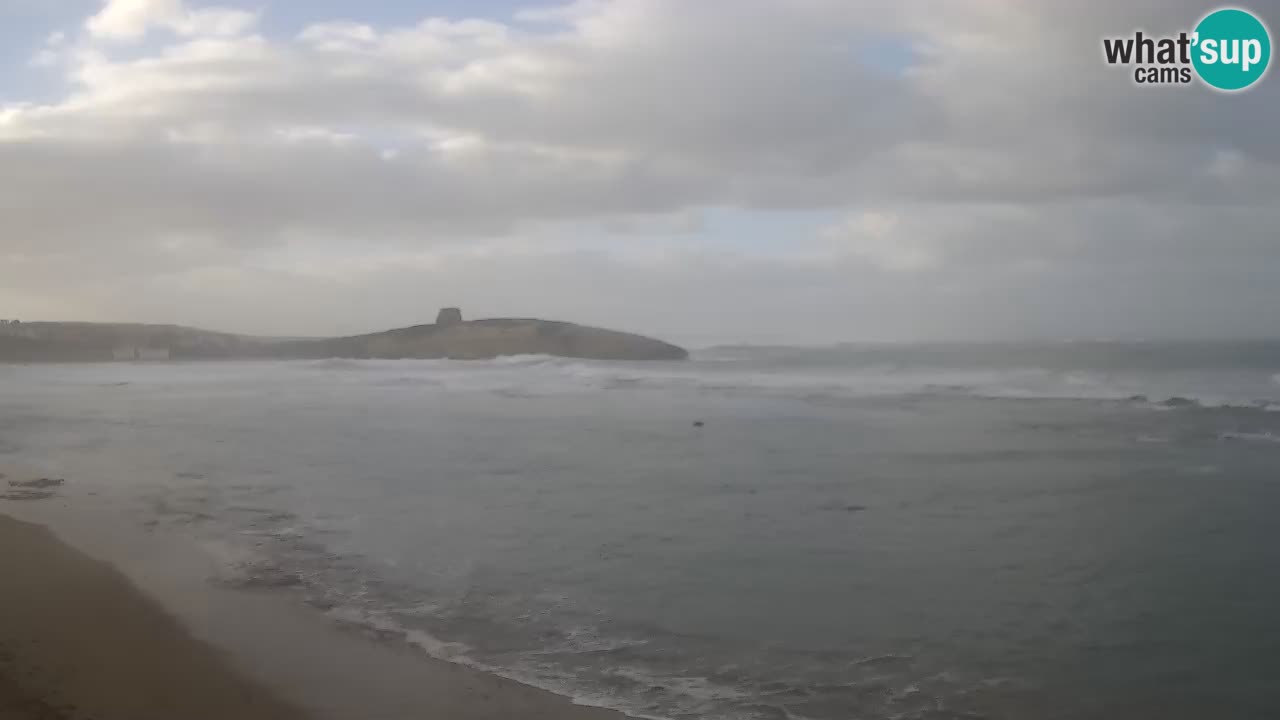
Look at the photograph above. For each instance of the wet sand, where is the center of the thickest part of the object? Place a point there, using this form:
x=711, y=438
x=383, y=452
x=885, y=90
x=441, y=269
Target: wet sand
x=78, y=641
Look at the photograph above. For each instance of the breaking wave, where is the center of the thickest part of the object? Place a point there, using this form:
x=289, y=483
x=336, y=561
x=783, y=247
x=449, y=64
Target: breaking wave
x=532, y=376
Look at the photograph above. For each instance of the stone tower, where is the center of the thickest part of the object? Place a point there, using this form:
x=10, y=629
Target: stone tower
x=449, y=316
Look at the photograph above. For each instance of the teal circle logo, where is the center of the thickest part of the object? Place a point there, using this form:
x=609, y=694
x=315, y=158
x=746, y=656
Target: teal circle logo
x=1231, y=49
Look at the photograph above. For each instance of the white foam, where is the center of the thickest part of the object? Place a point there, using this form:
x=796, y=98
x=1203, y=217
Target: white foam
x=519, y=377
x=1264, y=437
x=698, y=688
x=529, y=359
x=237, y=565
x=381, y=623
x=458, y=653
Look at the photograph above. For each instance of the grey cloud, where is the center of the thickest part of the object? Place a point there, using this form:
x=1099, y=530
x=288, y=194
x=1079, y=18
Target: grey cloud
x=77, y=194
x=1024, y=174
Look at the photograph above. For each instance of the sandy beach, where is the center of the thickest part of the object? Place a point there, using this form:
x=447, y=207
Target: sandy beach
x=79, y=642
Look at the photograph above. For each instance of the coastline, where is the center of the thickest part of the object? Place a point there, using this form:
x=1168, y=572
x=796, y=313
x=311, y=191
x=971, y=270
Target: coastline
x=100, y=621
x=77, y=640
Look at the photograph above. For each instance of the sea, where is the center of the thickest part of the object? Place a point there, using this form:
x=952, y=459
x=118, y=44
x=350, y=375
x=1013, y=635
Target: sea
x=908, y=532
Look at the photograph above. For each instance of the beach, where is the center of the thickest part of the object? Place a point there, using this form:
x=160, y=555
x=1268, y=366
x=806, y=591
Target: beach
x=79, y=641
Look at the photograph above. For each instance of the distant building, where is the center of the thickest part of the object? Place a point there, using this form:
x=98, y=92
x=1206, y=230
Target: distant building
x=449, y=316
x=15, y=328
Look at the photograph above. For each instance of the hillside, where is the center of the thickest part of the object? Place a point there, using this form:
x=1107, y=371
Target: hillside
x=449, y=337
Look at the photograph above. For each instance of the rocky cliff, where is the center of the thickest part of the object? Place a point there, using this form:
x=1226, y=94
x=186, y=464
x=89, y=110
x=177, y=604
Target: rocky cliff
x=449, y=337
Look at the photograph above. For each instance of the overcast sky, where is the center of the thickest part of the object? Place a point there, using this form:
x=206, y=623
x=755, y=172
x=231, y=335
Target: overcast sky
x=746, y=171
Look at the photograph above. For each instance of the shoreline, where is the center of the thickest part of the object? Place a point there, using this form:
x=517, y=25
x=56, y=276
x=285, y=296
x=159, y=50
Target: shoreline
x=104, y=621
x=77, y=640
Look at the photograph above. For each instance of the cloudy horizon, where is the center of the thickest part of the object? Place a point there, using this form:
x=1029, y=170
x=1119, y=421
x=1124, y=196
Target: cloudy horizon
x=772, y=172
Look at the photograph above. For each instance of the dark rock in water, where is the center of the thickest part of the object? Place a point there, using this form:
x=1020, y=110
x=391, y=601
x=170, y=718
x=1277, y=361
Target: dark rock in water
x=1179, y=402
x=449, y=316
x=38, y=483
x=37, y=489
x=836, y=506
x=698, y=423
x=20, y=495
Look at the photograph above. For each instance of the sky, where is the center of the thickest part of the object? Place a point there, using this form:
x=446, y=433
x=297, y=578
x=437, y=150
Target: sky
x=755, y=171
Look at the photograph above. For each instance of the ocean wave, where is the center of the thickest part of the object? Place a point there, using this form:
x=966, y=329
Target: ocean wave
x=368, y=364
x=333, y=364
x=583, y=662
x=1262, y=437
x=587, y=641
x=409, y=381
x=529, y=359
x=382, y=625
x=524, y=377
x=1182, y=402
x=238, y=566
x=1023, y=384
x=797, y=375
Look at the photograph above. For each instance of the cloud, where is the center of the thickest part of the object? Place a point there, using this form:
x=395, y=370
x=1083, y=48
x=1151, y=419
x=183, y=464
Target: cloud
x=129, y=20
x=873, y=236
x=971, y=146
